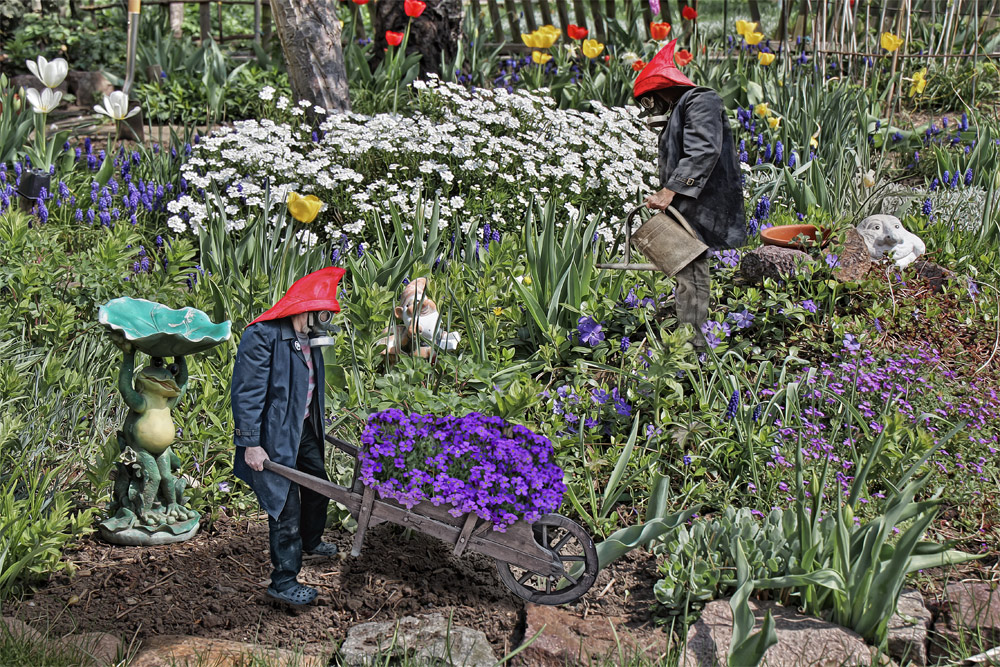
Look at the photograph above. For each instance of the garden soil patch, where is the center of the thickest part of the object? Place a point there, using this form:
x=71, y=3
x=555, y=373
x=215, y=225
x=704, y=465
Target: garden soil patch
x=213, y=586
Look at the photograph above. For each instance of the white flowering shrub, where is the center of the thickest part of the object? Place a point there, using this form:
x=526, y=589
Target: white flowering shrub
x=482, y=154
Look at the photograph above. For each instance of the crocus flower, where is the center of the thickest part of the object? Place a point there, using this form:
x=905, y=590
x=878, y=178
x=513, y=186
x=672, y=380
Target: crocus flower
x=576, y=32
x=540, y=58
x=592, y=48
x=753, y=38
x=50, y=72
x=414, y=8
x=659, y=31
x=890, y=42
x=744, y=28
x=115, y=106
x=689, y=13
x=683, y=57
x=304, y=209
x=45, y=101
x=393, y=38
x=765, y=59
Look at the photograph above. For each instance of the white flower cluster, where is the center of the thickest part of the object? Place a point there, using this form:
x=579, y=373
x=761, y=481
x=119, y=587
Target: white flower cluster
x=482, y=154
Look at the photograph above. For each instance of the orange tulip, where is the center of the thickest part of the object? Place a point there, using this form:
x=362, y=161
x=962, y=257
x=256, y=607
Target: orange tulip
x=659, y=31
x=683, y=57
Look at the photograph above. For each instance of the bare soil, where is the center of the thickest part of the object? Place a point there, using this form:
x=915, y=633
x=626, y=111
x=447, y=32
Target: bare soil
x=213, y=586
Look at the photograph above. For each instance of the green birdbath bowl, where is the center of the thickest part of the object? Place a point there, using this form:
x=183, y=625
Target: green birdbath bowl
x=160, y=331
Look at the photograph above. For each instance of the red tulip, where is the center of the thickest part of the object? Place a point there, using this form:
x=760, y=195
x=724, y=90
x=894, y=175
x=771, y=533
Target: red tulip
x=659, y=31
x=683, y=57
x=638, y=65
x=393, y=38
x=689, y=13
x=361, y=2
x=414, y=8
x=576, y=32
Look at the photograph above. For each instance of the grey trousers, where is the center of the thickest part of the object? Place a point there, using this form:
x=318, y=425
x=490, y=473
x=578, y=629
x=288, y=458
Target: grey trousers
x=692, y=297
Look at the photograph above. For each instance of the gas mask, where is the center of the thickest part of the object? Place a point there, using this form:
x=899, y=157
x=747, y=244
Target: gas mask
x=655, y=111
x=320, y=327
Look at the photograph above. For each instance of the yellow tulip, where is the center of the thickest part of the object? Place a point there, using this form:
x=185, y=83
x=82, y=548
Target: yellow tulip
x=540, y=58
x=753, y=38
x=765, y=59
x=890, y=42
x=744, y=28
x=542, y=38
x=304, y=209
x=774, y=122
x=592, y=48
x=762, y=110
x=918, y=82
x=530, y=39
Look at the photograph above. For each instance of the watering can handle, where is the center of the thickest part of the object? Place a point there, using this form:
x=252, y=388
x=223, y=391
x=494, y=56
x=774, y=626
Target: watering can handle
x=673, y=211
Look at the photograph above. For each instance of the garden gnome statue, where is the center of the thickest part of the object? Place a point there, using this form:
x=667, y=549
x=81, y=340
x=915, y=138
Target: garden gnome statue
x=886, y=234
x=420, y=322
x=147, y=504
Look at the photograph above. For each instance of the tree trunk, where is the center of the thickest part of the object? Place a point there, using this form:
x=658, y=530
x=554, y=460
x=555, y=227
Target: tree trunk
x=309, y=31
x=433, y=33
x=176, y=19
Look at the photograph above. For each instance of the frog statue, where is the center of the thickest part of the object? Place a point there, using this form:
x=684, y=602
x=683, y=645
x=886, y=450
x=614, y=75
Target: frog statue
x=147, y=505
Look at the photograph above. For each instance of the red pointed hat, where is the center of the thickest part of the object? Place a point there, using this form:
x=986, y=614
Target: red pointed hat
x=661, y=72
x=316, y=291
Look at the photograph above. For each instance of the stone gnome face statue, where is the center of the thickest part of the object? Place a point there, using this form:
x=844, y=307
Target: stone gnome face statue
x=886, y=234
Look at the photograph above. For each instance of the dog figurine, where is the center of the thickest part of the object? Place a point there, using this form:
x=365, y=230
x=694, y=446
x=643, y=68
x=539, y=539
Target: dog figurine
x=419, y=323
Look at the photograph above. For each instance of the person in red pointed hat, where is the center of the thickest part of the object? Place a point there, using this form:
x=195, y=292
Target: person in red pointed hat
x=277, y=400
x=699, y=173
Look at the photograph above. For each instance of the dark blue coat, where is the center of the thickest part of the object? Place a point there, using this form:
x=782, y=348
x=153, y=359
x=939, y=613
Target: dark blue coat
x=698, y=161
x=270, y=383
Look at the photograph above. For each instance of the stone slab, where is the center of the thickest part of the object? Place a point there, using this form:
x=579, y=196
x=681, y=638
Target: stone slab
x=422, y=638
x=185, y=651
x=907, y=629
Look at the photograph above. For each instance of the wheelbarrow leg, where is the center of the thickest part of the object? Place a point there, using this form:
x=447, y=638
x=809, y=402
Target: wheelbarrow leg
x=364, y=517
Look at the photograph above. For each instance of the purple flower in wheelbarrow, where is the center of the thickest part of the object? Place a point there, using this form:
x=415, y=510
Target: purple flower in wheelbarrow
x=590, y=331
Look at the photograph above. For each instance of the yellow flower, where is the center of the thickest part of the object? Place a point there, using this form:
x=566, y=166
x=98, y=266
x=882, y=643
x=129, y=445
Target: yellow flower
x=814, y=139
x=890, y=42
x=540, y=58
x=530, y=39
x=765, y=59
x=498, y=311
x=753, y=38
x=542, y=38
x=774, y=122
x=744, y=28
x=918, y=82
x=304, y=209
x=762, y=110
x=592, y=48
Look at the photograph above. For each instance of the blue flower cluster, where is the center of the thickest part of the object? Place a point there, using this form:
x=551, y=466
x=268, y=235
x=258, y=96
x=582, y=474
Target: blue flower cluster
x=503, y=472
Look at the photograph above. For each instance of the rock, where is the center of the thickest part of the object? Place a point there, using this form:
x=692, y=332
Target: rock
x=424, y=638
x=769, y=261
x=854, y=260
x=907, y=630
x=568, y=639
x=971, y=609
x=936, y=275
x=802, y=640
x=89, y=87
x=21, y=630
x=97, y=648
x=182, y=651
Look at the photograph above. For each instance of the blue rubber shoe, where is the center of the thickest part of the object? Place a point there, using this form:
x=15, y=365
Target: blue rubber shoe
x=324, y=549
x=296, y=594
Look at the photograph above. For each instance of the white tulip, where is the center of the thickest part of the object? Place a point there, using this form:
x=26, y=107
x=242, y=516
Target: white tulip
x=115, y=106
x=50, y=73
x=45, y=101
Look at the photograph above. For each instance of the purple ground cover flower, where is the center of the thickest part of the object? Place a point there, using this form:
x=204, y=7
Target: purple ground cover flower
x=503, y=472
x=743, y=319
x=590, y=331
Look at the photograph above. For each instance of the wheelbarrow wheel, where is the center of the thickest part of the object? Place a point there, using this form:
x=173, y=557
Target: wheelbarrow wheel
x=572, y=546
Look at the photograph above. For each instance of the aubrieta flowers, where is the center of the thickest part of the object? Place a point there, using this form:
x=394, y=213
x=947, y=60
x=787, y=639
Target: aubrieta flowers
x=502, y=472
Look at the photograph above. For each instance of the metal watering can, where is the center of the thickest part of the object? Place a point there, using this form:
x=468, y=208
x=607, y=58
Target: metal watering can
x=666, y=239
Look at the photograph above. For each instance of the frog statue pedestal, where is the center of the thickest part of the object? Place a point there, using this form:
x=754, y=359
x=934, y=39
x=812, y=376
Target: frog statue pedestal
x=148, y=504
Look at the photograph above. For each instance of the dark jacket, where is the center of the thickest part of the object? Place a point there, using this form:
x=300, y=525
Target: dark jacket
x=698, y=161
x=270, y=383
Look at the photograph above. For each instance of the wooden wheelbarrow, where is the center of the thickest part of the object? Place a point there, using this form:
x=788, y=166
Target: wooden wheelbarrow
x=550, y=561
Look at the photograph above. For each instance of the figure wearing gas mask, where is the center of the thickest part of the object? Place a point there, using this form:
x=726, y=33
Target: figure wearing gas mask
x=277, y=398
x=699, y=173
